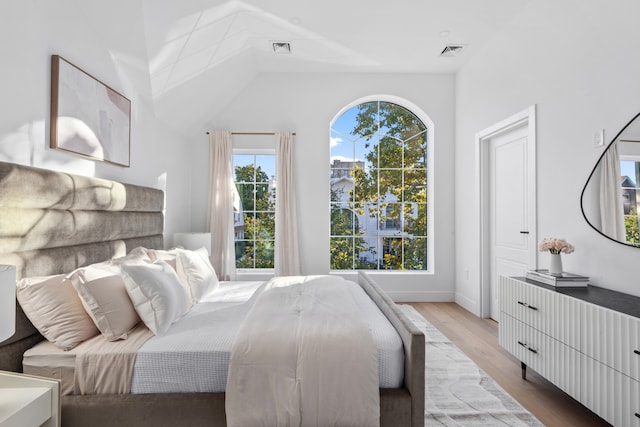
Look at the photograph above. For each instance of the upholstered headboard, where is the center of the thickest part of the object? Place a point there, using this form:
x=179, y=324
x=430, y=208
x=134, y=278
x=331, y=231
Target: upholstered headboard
x=53, y=222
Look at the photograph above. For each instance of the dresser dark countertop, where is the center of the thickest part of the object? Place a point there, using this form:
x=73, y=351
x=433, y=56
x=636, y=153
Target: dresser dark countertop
x=624, y=303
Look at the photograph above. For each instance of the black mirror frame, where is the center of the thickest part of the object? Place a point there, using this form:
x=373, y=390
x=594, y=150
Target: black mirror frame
x=589, y=179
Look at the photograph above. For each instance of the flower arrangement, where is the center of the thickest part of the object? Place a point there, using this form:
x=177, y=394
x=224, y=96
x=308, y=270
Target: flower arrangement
x=555, y=246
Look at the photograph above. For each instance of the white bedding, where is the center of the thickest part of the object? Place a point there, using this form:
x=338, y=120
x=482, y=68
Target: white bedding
x=303, y=356
x=194, y=354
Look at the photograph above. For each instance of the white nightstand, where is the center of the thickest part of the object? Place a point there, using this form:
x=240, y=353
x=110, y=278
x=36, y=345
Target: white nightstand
x=27, y=401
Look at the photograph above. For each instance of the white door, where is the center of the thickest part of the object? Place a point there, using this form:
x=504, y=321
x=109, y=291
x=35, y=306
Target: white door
x=509, y=213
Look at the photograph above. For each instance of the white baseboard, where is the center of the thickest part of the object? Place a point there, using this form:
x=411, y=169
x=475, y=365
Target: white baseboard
x=467, y=304
x=421, y=296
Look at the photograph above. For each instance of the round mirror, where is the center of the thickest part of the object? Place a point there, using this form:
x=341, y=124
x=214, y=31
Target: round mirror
x=610, y=199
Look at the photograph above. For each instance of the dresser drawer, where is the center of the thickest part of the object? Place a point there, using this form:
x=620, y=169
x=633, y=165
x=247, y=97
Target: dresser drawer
x=612, y=338
x=519, y=339
x=547, y=356
x=612, y=395
x=552, y=313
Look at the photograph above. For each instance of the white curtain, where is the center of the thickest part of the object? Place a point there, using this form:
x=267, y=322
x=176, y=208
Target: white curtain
x=611, y=209
x=287, y=258
x=221, y=195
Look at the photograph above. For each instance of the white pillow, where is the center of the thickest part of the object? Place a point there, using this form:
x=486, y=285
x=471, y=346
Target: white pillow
x=167, y=256
x=156, y=294
x=55, y=309
x=171, y=258
x=137, y=255
x=198, y=272
x=104, y=296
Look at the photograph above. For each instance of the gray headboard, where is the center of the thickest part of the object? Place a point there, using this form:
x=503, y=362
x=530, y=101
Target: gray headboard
x=53, y=222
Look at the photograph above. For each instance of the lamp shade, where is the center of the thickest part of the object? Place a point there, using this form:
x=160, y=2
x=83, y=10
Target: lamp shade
x=7, y=301
x=193, y=241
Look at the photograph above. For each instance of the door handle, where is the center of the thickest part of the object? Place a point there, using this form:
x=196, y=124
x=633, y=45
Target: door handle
x=524, y=232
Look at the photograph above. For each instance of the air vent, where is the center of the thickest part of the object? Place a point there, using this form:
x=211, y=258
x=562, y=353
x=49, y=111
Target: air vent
x=281, y=47
x=451, y=51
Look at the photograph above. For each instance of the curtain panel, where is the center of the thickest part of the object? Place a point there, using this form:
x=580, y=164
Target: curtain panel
x=287, y=258
x=611, y=208
x=221, y=195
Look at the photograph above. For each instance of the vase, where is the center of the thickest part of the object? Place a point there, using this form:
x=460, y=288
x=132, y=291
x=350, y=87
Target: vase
x=555, y=266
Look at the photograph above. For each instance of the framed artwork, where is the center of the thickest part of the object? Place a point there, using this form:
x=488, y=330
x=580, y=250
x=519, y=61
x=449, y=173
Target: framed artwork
x=88, y=118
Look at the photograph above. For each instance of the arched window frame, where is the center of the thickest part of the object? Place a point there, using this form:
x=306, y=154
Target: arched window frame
x=426, y=120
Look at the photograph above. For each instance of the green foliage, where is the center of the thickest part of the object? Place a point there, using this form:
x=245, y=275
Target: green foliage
x=345, y=250
x=260, y=255
x=632, y=230
x=256, y=250
x=251, y=179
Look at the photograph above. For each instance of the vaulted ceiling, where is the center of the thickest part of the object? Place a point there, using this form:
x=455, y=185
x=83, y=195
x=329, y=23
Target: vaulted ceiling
x=214, y=48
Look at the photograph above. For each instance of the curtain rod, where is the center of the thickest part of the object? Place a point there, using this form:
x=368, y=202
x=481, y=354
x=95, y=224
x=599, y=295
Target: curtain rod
x=252, y=133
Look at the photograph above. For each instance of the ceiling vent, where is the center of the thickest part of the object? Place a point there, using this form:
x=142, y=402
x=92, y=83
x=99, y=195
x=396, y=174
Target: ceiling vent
x=451, y=51
x=281, y=47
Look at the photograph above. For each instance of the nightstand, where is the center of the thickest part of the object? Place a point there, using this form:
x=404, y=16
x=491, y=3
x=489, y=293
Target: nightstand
x=27, y=401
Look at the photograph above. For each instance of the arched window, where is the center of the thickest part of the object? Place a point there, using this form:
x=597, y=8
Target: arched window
x=380, y=175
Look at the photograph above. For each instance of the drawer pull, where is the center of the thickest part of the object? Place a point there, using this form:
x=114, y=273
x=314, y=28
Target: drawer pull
x=524, y=304
x=636, y=351
x=528, y=348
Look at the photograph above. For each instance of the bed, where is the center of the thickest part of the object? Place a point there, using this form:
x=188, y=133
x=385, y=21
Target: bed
x=48, y=226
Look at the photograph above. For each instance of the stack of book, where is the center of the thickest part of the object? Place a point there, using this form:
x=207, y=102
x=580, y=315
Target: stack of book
x=565, y=280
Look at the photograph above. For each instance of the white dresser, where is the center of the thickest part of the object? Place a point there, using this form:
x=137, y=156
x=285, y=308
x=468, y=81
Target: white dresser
x=584, y=340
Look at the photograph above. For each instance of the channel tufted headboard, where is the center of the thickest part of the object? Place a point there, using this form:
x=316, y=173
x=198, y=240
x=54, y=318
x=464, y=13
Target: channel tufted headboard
x=54, y=222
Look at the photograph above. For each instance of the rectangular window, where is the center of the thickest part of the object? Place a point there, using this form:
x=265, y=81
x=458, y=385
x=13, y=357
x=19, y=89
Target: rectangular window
x=630, y=171
x=255, y=209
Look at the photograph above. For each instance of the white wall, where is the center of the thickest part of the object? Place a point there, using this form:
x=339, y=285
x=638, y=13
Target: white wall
x=106, y=40
x=306, y=103
x=577, y=61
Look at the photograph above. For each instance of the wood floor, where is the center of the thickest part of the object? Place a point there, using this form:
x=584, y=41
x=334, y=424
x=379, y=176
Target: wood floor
x=478, y=339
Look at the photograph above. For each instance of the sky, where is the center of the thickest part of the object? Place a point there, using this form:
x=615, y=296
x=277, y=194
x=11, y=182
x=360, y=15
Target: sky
x=342, y=140
x=266, y=161
x=341, y=137
x=627, y=168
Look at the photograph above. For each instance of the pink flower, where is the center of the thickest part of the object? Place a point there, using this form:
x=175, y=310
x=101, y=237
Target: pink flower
x=555, y=246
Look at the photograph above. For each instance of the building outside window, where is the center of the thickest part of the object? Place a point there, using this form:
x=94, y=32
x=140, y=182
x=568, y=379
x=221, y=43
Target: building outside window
x=379, y=189
x=254, y=210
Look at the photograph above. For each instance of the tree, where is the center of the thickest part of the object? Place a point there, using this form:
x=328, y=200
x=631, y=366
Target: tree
x=632, y=229
x=256, y=250
x=394, y=179
x=346, y=241
x=250, y=179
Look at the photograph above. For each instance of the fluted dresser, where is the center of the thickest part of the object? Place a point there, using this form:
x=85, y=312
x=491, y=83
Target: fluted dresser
x=584, y=340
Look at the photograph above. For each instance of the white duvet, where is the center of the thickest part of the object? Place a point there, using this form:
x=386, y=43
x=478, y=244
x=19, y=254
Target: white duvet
x=303, y=355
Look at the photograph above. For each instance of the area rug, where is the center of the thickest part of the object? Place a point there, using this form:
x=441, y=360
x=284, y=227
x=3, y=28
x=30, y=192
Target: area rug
x=458, y=392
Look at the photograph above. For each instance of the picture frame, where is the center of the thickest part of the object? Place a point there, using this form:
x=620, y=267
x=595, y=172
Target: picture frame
x=88, y=118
